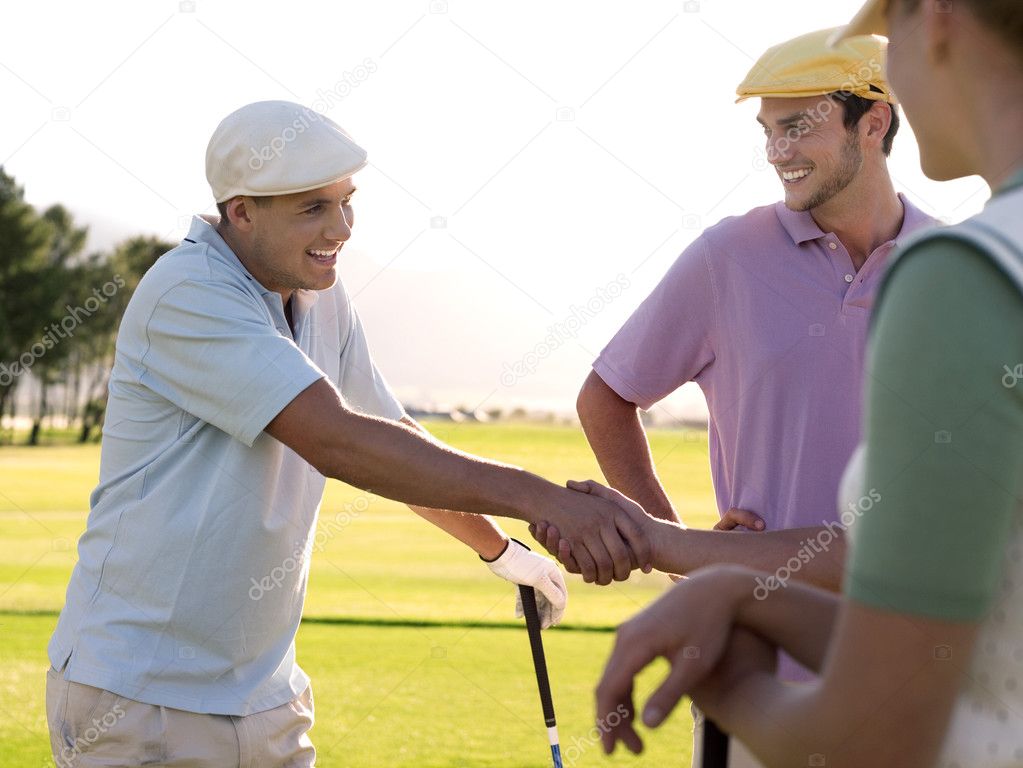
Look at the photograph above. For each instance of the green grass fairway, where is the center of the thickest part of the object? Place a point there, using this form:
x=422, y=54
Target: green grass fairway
x=410, y=642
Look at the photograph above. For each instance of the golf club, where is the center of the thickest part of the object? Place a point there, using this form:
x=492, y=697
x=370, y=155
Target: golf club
x=715, y=746
x=540, y=666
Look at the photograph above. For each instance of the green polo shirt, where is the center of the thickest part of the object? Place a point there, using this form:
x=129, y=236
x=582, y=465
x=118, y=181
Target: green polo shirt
x=944, y=432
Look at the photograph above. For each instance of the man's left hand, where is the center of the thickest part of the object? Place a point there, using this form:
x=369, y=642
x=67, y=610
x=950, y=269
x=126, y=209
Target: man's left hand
x=690, y=625
x=519, y=565
x=736, y=518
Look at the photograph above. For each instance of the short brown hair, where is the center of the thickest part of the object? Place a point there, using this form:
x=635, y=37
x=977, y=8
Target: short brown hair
x=855, y=107
x=262, y=202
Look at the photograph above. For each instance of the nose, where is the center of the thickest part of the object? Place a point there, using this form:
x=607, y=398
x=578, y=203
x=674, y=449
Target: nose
x=339, y=229
x=779, y=149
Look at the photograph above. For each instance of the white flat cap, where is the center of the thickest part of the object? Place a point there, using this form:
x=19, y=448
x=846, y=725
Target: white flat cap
x=278, y=148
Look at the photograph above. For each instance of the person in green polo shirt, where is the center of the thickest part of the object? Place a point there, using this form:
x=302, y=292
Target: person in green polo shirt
x=921, y=657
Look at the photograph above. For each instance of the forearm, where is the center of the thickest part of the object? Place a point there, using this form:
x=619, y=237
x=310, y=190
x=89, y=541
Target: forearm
x=883, y=697
x=784, y=725
x=780, y=723
x=396, y=461
x=798, y=618
x=616, y=436
x=401, y=463
x=771, y=717
x=478, y=532
x=793, y=554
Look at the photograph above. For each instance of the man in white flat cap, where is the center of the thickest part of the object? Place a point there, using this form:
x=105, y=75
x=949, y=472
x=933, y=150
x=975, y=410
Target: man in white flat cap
x=242, y=379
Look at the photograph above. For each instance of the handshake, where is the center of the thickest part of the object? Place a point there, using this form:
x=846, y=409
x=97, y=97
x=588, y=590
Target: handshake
x=598, y=532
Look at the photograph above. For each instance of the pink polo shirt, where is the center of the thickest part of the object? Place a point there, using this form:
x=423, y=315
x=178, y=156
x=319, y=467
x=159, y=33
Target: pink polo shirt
x=767, y=314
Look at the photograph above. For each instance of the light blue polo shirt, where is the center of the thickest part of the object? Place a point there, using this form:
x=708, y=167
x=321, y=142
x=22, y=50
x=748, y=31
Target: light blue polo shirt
x=196, y=504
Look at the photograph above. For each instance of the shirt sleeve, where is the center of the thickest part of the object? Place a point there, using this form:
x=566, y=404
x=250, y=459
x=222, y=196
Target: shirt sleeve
x=212, y=351
x=362, y=384
x=668, y=340
x=944, y=453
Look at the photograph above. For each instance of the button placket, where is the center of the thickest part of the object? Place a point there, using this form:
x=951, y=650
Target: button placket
x=842, y=269
x=846, y=270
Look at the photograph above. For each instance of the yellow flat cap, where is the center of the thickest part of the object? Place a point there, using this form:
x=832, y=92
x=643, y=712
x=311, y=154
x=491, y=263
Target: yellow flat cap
x=812, y=65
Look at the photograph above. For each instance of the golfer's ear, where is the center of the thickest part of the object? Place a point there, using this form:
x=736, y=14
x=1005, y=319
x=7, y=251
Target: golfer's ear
x=878, y=120
x=238, y=213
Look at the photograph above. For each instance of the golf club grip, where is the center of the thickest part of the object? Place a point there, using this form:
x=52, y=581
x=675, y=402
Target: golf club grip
x=536, y=645
x=715, y=746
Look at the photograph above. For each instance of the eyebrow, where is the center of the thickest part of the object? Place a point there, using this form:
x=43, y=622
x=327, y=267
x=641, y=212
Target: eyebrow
x=788, y=120
x=323, y=200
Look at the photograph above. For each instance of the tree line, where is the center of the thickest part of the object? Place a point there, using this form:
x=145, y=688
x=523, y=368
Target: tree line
x=59, y=310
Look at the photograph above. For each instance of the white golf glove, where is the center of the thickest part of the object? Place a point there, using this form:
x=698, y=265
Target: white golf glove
x=519, y=565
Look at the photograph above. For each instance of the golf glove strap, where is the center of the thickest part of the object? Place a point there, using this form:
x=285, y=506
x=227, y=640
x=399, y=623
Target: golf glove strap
x=519, y=565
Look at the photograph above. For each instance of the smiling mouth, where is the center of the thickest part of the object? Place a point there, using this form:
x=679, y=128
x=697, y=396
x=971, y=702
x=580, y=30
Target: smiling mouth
x=794, y=176
x=323, y=256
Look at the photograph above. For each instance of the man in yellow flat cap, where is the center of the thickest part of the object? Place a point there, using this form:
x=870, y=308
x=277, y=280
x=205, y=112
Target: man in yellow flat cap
x=768, y=313
x=920, y=657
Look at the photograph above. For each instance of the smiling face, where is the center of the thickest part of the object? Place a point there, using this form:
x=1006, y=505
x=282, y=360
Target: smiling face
x=291, y=242
x=815, y=155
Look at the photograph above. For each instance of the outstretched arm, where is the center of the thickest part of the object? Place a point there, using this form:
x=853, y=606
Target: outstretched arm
x=398, y=462
x=478, y=532
x=811, y=555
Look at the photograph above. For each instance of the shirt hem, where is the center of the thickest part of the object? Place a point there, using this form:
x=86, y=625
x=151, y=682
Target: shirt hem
x=152, y=694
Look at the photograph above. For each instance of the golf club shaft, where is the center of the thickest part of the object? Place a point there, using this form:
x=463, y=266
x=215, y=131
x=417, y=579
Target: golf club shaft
x=540, y=666
x=715, y=746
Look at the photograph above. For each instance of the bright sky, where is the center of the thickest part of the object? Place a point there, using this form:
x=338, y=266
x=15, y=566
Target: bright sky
x=533, y=165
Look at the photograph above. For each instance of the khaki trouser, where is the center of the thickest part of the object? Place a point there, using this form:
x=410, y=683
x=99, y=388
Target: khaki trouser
x=91, y=727
x=738, y=755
